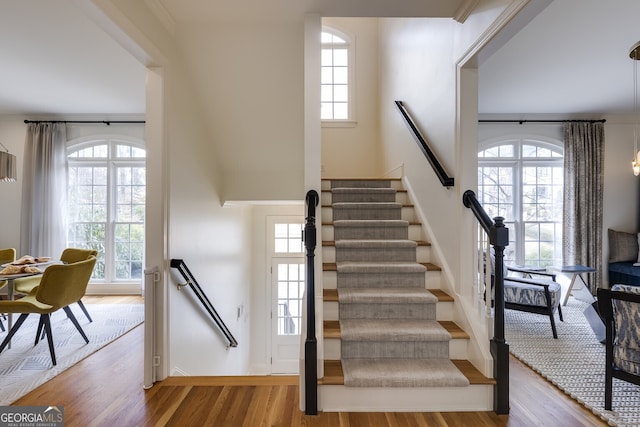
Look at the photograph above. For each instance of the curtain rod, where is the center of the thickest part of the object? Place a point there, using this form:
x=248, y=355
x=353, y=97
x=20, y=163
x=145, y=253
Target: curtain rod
x=106, y=122
x=542, y=121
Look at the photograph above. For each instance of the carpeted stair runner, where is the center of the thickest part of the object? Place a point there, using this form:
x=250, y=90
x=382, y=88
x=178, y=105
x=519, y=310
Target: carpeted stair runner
x=388, y=328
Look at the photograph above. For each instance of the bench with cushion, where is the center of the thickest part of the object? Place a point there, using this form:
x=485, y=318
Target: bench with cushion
x=623, y=257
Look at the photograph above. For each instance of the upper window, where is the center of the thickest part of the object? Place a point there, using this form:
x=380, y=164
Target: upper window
x=522, y=181
x=106, y=196
x=335, y=76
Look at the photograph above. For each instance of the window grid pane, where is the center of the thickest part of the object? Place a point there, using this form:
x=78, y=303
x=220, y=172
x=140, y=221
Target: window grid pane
x=531, y=205
x=290, y=292
x=288, y=238
x=334, y=78
x=93, y=224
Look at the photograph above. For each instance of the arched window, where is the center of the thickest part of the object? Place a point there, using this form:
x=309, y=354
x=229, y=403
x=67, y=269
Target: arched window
x=336, y=76
x=106, y=204
x=521, y=180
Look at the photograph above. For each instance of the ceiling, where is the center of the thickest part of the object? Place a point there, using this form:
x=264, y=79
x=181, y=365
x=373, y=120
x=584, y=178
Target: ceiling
x=56, y=62
x=570, y=60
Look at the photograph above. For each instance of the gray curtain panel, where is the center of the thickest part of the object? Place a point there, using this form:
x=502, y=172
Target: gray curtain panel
x=44, y=190
x=583, y=183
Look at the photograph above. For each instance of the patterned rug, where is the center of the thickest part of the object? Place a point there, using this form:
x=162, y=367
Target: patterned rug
x=574, y=362
x=24, y=366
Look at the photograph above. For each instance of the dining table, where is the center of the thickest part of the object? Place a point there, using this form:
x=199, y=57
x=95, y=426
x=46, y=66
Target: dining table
x=10, y=278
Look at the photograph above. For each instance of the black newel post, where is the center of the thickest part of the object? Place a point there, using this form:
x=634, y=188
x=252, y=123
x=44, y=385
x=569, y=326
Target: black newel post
x=311, y=344
x=499, y=238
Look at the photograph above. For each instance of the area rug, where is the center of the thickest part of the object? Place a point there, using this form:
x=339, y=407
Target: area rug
x=574, y=362
x=24, y=366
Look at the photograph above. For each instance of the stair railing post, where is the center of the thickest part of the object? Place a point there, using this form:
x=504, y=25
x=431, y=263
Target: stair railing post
x=311, y=344
x=499, y=238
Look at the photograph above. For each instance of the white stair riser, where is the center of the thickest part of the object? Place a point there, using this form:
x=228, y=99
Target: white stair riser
x=335, y=398
x=457, y=348
x=444, y=310
x=431, y=278
x=423, y=254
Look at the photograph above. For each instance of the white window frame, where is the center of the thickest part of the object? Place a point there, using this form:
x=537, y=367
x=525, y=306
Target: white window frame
x=349, y=44
x=515, y=252
x=110, y=285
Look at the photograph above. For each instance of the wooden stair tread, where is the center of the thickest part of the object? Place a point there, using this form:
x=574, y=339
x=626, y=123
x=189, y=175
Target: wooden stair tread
x=330, y=295
x=441, y=295
x=456, y=331
x=332, y=329
x=332, y=266
x=334, y=375
x=473, y=375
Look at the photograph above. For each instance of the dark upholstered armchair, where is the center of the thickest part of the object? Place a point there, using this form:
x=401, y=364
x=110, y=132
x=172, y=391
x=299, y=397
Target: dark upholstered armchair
x=534, y=295
x=620, y=309
x=531, y=293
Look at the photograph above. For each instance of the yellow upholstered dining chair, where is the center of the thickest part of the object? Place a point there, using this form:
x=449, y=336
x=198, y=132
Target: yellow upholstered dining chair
x=6, y=255
x=61, y=285
x=26, y=285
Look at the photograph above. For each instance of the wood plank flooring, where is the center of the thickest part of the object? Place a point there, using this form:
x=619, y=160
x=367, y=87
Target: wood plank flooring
x=106, y=390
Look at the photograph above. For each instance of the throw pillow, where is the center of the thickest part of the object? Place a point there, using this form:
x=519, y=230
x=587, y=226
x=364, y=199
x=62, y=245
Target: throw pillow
x=623, y=246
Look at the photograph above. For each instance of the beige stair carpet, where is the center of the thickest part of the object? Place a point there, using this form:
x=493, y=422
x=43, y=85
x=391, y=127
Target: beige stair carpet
x=389, y=333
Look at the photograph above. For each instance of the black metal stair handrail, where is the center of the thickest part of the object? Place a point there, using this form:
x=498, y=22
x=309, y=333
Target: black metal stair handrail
x=311, y=344
x=180, y=265
x=499, y=239
x=445, y=179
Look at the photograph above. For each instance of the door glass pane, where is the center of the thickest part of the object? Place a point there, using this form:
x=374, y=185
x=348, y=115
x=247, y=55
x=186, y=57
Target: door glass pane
x=290, y=287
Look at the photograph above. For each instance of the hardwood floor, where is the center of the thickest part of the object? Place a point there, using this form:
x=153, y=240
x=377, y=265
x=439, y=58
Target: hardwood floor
x=105, y=389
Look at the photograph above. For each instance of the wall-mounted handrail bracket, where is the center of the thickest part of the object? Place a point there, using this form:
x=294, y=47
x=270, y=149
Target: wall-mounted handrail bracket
x=206, y=303
x=182, y=285
x=446, y=180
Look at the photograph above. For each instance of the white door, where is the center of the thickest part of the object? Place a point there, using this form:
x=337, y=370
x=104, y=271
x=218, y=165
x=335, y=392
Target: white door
x=287, y=288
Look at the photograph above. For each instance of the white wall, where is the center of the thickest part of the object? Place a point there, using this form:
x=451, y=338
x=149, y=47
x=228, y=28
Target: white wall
x=419, y=60
x=353, y=151
x=256, y=118
x=12, y=136
x=189, y=221
x=417, y=68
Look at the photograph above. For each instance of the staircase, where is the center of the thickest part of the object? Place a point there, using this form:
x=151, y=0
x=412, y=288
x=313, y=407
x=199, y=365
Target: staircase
x=390, y=342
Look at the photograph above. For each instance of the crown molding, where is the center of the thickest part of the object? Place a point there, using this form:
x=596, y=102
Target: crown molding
x=465, y=10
